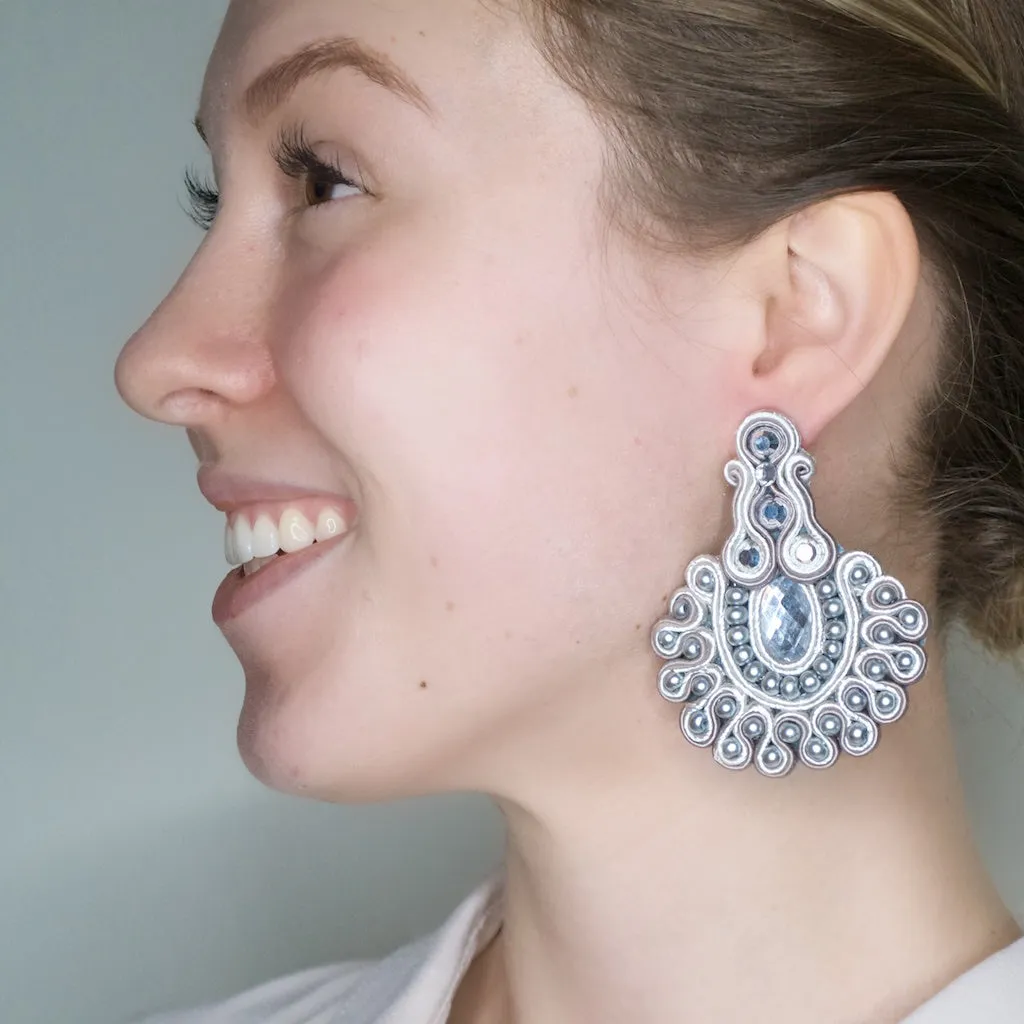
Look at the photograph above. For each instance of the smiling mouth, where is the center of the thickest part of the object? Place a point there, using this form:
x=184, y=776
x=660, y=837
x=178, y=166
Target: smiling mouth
x=255, y=538
x=260, y=576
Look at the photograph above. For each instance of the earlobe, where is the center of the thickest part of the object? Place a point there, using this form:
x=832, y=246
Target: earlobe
x=853, y=267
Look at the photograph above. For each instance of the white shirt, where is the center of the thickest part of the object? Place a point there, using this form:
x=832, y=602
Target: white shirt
x=416, y=983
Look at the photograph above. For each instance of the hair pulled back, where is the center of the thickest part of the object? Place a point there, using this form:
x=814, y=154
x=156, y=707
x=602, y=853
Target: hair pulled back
x=729, y=115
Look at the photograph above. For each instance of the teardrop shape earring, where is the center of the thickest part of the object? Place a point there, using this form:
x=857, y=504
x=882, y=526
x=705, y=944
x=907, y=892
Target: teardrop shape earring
x=787, y=648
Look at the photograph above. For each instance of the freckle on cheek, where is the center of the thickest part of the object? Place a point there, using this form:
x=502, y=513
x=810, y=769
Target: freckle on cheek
x=574, y=392
x=450, y=606
x=423, y=684
x=433, y=561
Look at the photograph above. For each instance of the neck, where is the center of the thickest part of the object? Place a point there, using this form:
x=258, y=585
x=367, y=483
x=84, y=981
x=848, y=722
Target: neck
x=645, y=883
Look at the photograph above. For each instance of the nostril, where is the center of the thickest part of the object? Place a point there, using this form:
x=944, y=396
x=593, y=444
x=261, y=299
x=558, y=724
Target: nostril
x=187, y=406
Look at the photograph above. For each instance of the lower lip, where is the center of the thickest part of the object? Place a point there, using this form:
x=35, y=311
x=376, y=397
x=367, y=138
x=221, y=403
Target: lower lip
x=239, y=592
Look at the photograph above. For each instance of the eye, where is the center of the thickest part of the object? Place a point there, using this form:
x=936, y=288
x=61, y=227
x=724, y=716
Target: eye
x=320, y=190
x=322, y=181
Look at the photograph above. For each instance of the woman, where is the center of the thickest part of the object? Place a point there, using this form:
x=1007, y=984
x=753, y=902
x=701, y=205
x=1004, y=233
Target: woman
x=490, y=296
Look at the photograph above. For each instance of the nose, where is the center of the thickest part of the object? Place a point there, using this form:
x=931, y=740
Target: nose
x=202, y=352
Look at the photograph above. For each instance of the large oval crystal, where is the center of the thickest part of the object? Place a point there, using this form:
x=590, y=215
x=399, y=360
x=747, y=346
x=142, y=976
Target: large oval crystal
x=785, y=620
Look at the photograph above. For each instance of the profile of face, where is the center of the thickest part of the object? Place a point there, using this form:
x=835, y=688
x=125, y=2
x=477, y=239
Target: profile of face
x=412, y=309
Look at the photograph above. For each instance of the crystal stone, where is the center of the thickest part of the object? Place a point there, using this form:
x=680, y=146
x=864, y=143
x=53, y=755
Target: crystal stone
x=750, y=558
x=774, y=513
x=786, y=624
x=765, y=442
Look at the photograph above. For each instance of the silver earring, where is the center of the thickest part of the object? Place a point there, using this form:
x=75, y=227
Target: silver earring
x=788, y=647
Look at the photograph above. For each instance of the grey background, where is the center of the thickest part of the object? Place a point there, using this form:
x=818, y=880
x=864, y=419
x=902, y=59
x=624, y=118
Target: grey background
x=140, y=866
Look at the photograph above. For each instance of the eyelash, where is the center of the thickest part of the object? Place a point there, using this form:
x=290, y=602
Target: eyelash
x=296, y=159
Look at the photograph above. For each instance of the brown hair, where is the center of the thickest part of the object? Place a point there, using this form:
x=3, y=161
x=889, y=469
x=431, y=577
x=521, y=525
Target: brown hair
x=729, y=115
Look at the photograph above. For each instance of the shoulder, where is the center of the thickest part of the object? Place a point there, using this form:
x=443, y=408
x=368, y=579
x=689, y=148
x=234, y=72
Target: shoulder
x=992, y=992
x=413, y=983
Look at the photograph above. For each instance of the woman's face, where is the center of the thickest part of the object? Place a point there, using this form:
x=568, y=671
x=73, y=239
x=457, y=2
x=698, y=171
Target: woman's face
x=523, y=417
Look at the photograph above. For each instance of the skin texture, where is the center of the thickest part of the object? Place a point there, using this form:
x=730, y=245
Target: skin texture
x=532, y=414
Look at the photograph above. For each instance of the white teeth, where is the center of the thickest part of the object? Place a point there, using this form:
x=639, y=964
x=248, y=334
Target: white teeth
x=243, y=540
x=330, y=524
x=265, y=538
x=296, y=531
x=229, y=546
x=252, y=567
x=254, y=546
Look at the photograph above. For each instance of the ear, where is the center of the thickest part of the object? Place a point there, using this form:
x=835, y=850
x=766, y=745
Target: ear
x=852, y=266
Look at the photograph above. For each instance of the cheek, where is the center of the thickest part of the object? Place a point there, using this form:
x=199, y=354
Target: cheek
x=475, y=364
x=502, y=431
x=489, y=411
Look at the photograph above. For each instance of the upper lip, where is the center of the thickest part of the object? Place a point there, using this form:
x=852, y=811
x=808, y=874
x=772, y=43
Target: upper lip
x=229, y=492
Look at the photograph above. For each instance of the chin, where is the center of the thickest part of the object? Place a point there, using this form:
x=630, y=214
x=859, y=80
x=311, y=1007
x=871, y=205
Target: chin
x=302, y=753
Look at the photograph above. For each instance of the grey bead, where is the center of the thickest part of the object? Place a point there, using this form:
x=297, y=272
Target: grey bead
x=753, y=727
x=857, y=735
x=884, y=635
x=700, y=723
x=789, y=733
x=736, y=595
x=738, y=636
x=905, y=661
x=875, y=668
x=705, y=581
x=790, y=687
x=683, y=608
x=833, y=608
x=726, y=707
x=737, y=615
x=833, y=649
x=692, y=649
x=810, y=683
x=859, y=574
x=856, y=699
x=754, y=672
x=700, y=686
x=770, y=684
x=836, y=630
x=743, y=655
x=831, y=725
x=773, y=757
x=886, y=595
x=817, y=750
x=732, y=749
x=824, y=667
x=886, y=701
x=826, y=589
x=674, y=682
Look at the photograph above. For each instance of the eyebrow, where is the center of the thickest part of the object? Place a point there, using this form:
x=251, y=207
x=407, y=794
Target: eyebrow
x=274, y=85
